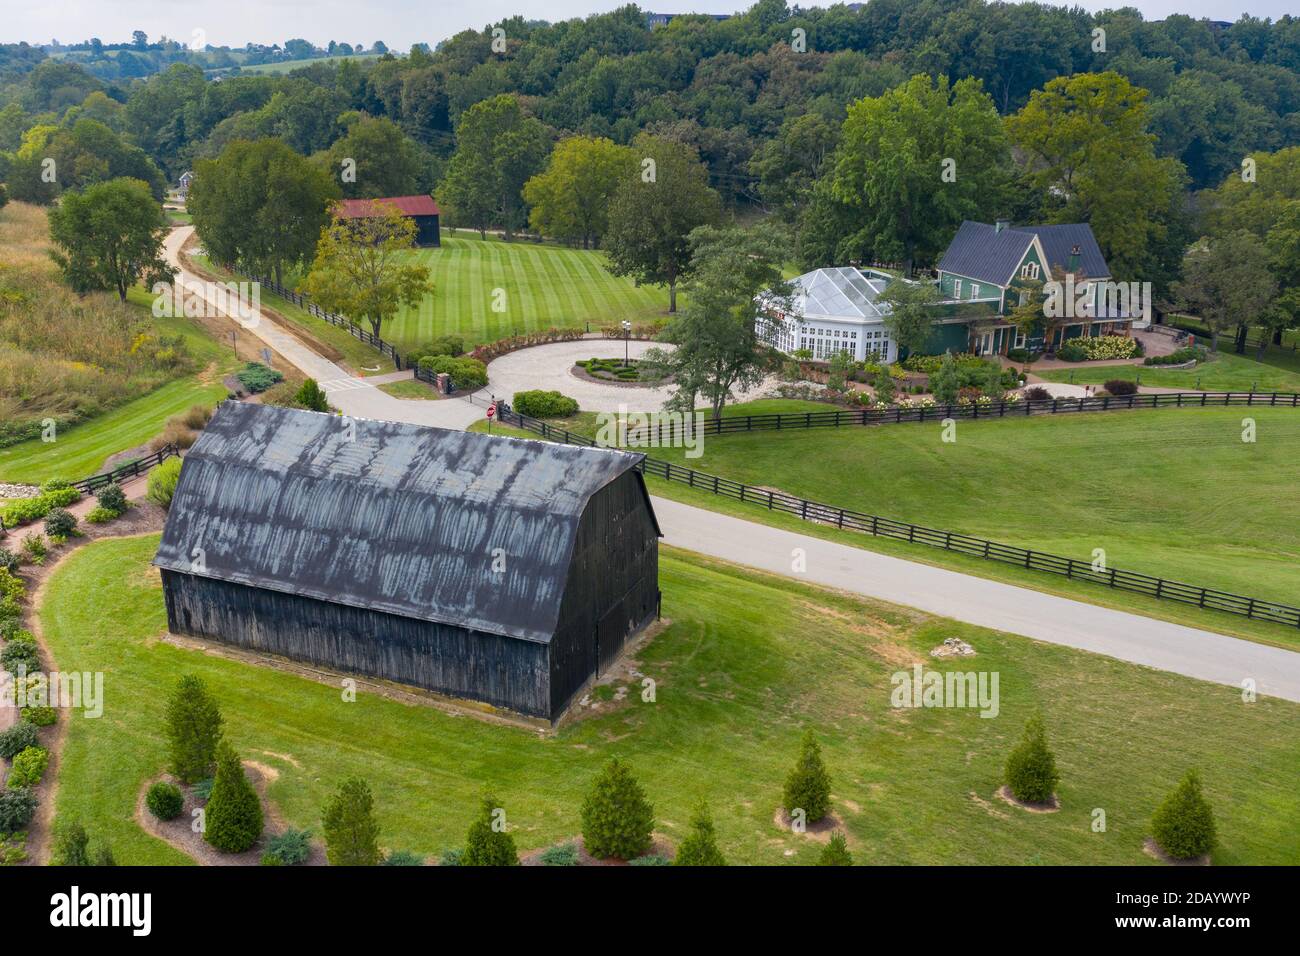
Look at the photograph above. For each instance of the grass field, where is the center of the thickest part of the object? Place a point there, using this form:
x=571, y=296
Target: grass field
x=80, y=451
x=287, y=66
x=544, y=286
x=1148, y=487
x=747, y=663
x=1225, y=372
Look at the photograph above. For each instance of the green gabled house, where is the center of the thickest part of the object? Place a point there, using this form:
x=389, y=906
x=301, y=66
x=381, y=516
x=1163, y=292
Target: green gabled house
x=986, y=269
x=981, y=278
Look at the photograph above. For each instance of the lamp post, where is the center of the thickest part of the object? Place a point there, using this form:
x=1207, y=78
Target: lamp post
x=627, y=335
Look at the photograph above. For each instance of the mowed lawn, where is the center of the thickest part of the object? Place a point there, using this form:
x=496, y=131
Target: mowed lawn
x=543, y=286
x=1279, y=371
x=1171, y=493
x=748, y=662
x=80, y=451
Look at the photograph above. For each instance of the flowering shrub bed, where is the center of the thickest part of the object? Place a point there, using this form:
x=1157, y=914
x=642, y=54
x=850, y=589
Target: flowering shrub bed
x=1098, y=348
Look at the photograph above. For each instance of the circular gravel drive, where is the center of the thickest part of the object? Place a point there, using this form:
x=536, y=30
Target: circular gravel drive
x=550, y=368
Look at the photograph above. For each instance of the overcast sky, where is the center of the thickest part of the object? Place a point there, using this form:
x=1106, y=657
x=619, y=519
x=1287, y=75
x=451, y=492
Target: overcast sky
x=399, y=23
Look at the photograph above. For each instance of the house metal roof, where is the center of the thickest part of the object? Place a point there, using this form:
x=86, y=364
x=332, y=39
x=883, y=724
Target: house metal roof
x=385, y=516
x=406, y=205
x=841, y=292
x=979, y=251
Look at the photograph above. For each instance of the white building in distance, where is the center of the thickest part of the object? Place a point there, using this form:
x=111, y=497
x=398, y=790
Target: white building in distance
x=836, y=310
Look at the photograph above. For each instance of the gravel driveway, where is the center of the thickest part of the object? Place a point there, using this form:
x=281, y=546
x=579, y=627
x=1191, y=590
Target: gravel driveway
x=550, y=367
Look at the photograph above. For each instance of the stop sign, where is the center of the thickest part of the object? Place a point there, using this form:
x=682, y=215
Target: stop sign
x=491, y=411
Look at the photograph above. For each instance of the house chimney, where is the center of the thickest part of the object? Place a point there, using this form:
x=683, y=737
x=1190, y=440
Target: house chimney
x=1074, y=258
x=1000, y=225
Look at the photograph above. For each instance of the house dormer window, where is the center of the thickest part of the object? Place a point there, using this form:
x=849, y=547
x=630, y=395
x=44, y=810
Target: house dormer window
x=1029, y=270
x=974, y=290
x=956, y=288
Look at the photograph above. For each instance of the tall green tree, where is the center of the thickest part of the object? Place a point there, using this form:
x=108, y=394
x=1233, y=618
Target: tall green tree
x=736, y=284
x=498, y=149
x=790, y=162
x=617, y=819
x=348, y=822
x=110, y=237
x=1226, y=280
x=361, y=268
x=374, y=158
x=193, y=727
x=1091, y=158
x=233, y=815
x=261, y=205
x=911, y=316
x=654, y=212
x=570, y=199
x=808, y=786
x=916, y=161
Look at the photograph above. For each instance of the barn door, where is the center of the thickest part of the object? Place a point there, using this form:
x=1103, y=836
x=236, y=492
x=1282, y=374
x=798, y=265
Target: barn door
x=609, y=637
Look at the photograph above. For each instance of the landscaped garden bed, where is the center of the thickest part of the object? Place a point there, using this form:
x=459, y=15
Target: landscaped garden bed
x=615, y=371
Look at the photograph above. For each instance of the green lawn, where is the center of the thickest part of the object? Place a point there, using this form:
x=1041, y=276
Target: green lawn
x=545, y=286
x=748, y=662
x=1150, y=487
x=79, y=451
x=1224, y=372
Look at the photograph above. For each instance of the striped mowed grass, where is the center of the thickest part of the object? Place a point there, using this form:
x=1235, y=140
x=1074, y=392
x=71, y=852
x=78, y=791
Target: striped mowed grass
x=488, y=289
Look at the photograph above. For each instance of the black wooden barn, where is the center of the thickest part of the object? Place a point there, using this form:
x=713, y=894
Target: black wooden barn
x=490, y=568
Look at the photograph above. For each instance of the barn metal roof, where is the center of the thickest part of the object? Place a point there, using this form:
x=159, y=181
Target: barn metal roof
x=386, y=516
x=367, y=208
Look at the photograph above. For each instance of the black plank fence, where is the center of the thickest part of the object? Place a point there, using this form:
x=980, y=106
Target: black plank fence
x=131, y=469
x=333, y=318
x=876, y=525
x=974, y=410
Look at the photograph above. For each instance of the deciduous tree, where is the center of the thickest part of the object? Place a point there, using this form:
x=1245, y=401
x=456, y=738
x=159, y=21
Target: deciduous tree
x=655, y=210
x=737, y=283
x=362, y=268
x=1226, y=280
x=915, y=162
x=498, y=149
x=110, y=237
x=261, y=205
x=570, y=199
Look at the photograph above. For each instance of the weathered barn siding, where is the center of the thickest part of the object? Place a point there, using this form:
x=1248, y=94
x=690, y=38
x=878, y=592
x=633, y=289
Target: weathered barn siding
x=503, y=671
x=373, y=547
x=612, y=589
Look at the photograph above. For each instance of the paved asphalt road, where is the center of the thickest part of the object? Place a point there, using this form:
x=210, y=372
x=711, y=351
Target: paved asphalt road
x=1004, y=607
x=1129, y=637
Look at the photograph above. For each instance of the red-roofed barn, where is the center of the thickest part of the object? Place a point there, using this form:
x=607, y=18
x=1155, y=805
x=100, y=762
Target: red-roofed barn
x=422, y=209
